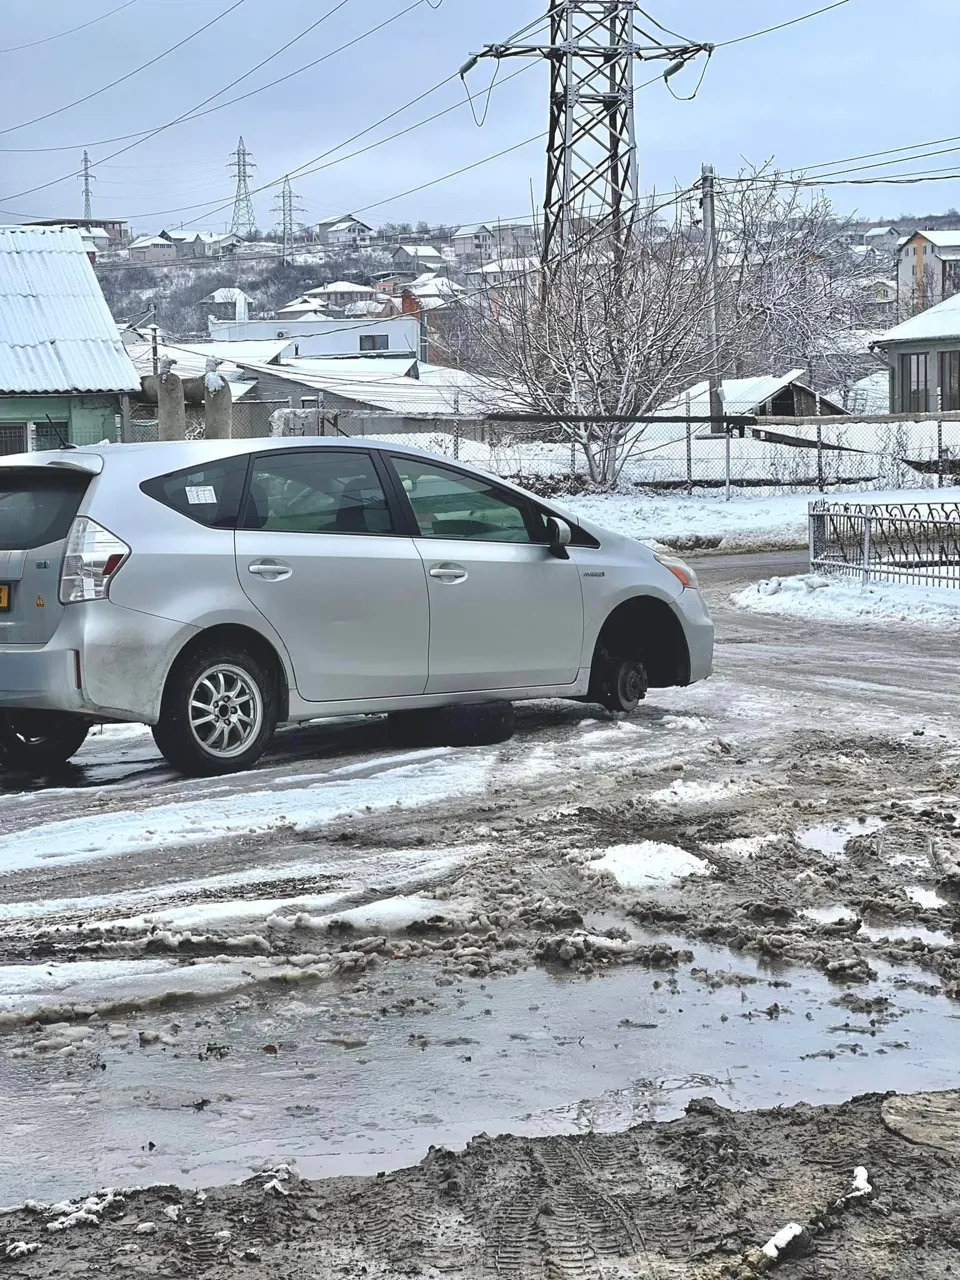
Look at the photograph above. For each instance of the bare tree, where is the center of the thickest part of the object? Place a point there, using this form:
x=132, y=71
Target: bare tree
x=615, y=331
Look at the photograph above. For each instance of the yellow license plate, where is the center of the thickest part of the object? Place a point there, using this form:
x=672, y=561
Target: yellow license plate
x=4, y=595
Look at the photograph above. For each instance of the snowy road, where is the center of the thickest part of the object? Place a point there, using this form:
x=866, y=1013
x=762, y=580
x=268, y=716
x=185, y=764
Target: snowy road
x=352, y=952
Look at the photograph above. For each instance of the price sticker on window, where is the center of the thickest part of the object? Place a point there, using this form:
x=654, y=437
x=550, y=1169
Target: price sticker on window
x=201, y=495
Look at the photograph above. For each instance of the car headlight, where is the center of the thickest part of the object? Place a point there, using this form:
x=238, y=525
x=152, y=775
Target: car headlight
x=679, y=568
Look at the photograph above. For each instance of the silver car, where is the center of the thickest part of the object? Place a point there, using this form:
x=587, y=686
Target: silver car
x=216, y=589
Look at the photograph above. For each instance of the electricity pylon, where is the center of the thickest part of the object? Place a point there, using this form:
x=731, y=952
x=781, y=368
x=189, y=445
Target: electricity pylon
x=244, y=220
x=289, y=206
x=592, y=147
x=87, y=194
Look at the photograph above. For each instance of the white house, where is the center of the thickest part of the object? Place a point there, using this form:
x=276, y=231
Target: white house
x=340, y=293
x=503, y=271
x=152, y=250
x=473, y=240
x=345, y=232
x=928, y=269
x=417, y=257
x=323, y=335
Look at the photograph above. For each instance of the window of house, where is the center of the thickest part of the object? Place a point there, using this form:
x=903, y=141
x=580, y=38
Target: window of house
x=914, y=383
x=448, y=504
x=950, y=379
x=326, y=491
x=374, y=342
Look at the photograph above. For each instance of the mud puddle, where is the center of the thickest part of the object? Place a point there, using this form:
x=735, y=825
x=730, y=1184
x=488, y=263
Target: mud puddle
x=366, y=1080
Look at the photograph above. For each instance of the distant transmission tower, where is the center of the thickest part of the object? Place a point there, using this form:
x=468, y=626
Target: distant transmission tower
x=592, y=147
x=289, y=206
x=87, y=177
x=244, y=221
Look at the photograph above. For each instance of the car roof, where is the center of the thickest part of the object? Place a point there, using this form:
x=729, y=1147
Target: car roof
x=137, y=462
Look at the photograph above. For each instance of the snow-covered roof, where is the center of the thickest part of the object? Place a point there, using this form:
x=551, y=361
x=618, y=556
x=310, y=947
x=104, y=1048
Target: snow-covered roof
x=437, y=392
x=472, y=229
x=191, y=357
x=339, y=286
x=942, y=239
x=225, y=296
x=881, y=231
x=941, y=321
x=869, y=395
x=56, y=330
x=370, y=306
x=152, y=242
x=94, y=233
x=342, y=222
x=506, y=267
x=740, y=395
x=420, y=251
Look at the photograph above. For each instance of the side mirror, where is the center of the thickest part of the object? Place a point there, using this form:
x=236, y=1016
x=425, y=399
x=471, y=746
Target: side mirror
x=559, y=536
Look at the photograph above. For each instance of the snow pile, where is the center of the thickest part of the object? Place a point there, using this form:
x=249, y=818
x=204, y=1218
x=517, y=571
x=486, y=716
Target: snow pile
x=782, y=1240
x=846, y=600
x=648, y=865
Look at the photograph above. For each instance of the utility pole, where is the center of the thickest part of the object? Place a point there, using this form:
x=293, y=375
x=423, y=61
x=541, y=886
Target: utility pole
x=87, y=177
x=244, y=220
x=592, y=150
x=288, y=206
x=708, y=204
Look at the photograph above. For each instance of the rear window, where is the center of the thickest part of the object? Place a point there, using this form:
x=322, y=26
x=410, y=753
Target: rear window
x=37, y=506
x=209, y=494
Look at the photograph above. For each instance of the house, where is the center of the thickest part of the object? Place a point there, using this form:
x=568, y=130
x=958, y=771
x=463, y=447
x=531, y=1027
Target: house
x=228, y=304
x=475, y=240
x=323, y=335
x=153, y=250
x=878, y=301
x=202, y=244
x=416, y=258
x=340, y=293
x=63, y=368
x=923, y=354
x=115, y=228
x=516, y=239
x=883, y=240
x=928, y=269
x=302, y=308
x=503, y=271
x=345, y=232
x=433, y=291
x=769, y=395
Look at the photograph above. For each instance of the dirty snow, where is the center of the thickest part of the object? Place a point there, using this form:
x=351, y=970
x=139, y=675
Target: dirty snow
x=846, y=600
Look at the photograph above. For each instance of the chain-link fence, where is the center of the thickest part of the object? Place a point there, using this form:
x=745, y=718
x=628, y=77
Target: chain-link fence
x=916, y=543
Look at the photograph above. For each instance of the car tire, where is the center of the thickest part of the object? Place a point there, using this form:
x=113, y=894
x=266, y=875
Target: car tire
x=218, y=714
x=619, y=684
x=474, y=724
x=33, y=741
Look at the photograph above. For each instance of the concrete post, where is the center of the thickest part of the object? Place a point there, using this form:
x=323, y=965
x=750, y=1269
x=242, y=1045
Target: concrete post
x=171, y=414
x=217, y=405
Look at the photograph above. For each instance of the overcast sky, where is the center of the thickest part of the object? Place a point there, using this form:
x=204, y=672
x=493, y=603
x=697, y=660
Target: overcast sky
x=870, y=75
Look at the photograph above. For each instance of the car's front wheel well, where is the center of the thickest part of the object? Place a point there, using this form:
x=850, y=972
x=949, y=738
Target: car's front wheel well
x=646, y=629
x=236, y=636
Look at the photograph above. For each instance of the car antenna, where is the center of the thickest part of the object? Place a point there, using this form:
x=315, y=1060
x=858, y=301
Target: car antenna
x=64, y=444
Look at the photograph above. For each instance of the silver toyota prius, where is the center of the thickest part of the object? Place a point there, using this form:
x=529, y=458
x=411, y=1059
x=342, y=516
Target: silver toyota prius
x=216, y=589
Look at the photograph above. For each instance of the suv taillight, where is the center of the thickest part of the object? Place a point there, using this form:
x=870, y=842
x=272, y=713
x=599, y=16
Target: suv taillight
x=93, y=555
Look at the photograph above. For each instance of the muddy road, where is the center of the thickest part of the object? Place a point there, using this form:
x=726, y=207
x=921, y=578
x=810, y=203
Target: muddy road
x=748, y=891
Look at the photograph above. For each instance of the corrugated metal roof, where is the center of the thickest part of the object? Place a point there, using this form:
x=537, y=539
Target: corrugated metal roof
x=56, y=330
x=190, y=358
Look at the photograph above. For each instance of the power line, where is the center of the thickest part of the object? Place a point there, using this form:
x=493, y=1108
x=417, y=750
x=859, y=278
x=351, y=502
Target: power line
x=136, y=71
x=792, y=22
x=194, y=113
x=17, y=48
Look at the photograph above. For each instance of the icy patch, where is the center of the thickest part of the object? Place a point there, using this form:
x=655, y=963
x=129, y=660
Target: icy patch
x=391, y=915
x=828, y=915
x=906, y=933
x=243, y=813
x=744, y=846
x=649, y=865
x=845, y=600
x=927, y=898
x=831, y=840
x=690, y=724
x=683, y=792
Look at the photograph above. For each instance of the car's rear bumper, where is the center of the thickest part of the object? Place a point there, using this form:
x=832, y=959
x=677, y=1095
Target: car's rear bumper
x=41, y=678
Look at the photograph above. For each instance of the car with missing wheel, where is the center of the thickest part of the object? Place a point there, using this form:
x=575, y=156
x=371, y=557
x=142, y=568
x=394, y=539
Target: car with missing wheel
x=214, y=590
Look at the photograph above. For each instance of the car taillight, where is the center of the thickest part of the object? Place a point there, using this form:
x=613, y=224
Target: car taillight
x=92, y=556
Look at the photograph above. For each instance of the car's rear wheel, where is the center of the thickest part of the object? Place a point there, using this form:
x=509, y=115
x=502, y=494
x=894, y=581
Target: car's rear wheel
x=218, y=714
x=474, y=724
x=32, y=741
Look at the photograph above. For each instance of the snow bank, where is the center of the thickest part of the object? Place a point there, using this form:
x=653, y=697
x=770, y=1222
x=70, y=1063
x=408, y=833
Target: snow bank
x=844, y=600
x=648, y=865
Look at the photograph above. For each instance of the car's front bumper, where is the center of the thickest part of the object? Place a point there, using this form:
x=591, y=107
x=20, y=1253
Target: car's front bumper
x=699, y=632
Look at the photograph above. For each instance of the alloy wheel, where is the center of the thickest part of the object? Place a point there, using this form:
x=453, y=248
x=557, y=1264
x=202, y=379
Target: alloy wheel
x=225, y=710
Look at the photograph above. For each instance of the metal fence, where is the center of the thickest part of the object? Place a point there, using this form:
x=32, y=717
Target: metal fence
x=916, y=543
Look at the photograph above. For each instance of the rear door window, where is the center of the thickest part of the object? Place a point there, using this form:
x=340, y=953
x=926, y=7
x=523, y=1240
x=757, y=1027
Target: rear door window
x=209, y=493
x=316, y=491
x=37, y=505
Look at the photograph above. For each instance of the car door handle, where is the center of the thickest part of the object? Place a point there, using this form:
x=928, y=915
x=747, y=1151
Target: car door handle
x=449, y=573
x=270, y=570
